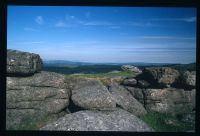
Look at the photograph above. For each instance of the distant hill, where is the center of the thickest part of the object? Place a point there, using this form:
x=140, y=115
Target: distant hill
x=61, y=63
x=190, y=67
x=69, y=67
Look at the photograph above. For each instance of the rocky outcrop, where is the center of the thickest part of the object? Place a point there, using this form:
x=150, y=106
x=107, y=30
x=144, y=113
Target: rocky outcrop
x=118, y=120
x=109, y=104
x=164, y=90
x=170, y=100
x=131, y=68
x=159, y=76
x=125, y=100
x=35, y=97
x=167, y=100
x=129, y=82
x=22, y=63
x=32, y=95
x=187, y=80
x=91, y=94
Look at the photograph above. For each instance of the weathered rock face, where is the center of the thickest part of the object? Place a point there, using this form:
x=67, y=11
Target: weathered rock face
x=189, y=78
x=22, y=63
x=125, y=100
x=118, y=120
x=92, y=94
x=137, y=93
x=35, y=97
x=131, y=68
x=44, y=79
x=160, y=77
x=129, y=82
x=169, y=100
x=143, y=84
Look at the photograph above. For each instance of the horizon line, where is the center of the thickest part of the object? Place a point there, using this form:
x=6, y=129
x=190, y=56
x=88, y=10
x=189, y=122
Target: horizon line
x=118, y=62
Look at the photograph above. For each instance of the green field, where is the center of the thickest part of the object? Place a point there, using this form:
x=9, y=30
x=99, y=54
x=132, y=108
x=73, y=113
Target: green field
x=105, y=78
x=109, y=74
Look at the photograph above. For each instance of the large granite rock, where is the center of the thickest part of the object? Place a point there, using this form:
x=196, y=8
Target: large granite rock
x=159, y=76
x=22, y=63
x=91, y=94
x=35, y=97
x=129, y=82
x=44, y=79
x=118, y=120
x=125, y=100
x=169, y=100
x=188, y=79
x=131, y=68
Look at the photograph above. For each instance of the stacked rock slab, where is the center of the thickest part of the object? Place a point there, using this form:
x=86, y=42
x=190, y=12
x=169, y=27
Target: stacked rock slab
x=159, y=76
x=166, y=100
x=91, y=94
x=131, y=68
x=33, y=97
x=125, y=100
x=156, y=89
x=22, y=63
x=187, y=80
x=170, y=100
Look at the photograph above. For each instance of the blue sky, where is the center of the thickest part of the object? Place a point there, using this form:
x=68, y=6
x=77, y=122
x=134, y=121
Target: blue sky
x=104, y=34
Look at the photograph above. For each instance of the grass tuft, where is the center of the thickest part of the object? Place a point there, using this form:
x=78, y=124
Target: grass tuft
x=163, y=122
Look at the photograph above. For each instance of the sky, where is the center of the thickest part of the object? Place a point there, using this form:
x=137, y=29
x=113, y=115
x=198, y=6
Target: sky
x=104, y=34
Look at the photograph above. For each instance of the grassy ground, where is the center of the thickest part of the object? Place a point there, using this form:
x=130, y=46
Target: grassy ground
x=35, y=124
x=110, y=74
x=161, y=122
x=105, y=78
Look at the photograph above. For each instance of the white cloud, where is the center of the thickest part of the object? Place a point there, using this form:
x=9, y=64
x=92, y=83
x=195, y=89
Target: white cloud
x=39, y=20
x=72, y=17
x=141, y=24
x=97, y=23
x=69, y=17
x=71, y=20
x=60, y=24
x=184, y=19
x=189, y=19
x=168, y=37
